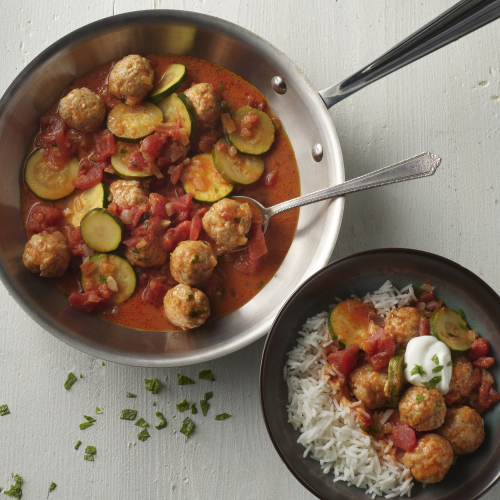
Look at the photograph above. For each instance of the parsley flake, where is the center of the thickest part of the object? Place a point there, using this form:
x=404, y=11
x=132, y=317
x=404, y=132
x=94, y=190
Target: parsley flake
x=154, y=403
x=130, y=395
x=461, y=312
x=449, y=363
x=206, y=375
x=405, y=364
x=90, y=450
x=143, y=435
x=17, y=478
x=98, y=410
x=15, y=490
x=4, y=410
x=134, y=164
x=439, y=403
x=103, y=279
x=205, y=405
x=182, y=380
x=222, y=87
x=86, y=424
x=435, y=359
x=238, y=220
x=222, y=416
x=208, y=395
x=195, y=259
x=90, y=458
x=163, y=421
x=195, y=313
x=89, y=419
x=145, y=259
x=183, y=406
x=418, y=370
x=123, y=151
x=377, y=426
x=52, y=486
x=371, y=429
x=260, y=284
x=462, y=326
x=152, y=385
x=187, y=426
x=432, y=382
x=77, y=445
x=69, y=381
x=128, y=414
x=194, y=411
x=437, y=369
x=103, y=363
x=141, y=423
x=136, y=250
x=419, y=398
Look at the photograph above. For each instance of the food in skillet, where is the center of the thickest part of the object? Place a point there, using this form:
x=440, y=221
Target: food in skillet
x=124, y=193
x=389, y=388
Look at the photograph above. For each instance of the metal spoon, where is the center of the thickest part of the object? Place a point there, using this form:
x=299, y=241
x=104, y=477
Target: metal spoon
x=422, y=165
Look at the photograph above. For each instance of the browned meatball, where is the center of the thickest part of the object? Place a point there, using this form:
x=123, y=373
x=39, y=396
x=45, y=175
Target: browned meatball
x=421, y=408
x=464, y=429
x=403, y=324
x=131, y=78
x=430, y=460
x=128, y=193
x=206, y=102
x=186, y=307
x=151, y=254
x=192, y=262
x=462, y=381
x=82, y=110
x=47, y=254
x=227, y=222
x=368, y=386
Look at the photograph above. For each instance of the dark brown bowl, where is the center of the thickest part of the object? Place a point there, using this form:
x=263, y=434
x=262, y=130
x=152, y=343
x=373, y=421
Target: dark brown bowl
x=471, y=475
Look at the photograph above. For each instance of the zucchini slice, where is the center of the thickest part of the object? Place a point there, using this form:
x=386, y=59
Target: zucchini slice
x=179, y=107
x=171, y=80
x=396, y=378
x=48, y=183
x=123, y=273
x=133, y=123
x=255, y=138
x=348, y=322
x=102, y=230
x=239, y=170
x=203, y=181
x=83, y=201
x=120, y=162
x=449, y=327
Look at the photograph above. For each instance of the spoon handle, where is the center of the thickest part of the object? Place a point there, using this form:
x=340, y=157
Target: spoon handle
x=422, y=165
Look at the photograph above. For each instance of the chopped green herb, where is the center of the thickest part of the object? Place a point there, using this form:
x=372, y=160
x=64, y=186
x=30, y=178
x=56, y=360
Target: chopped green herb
x=205, y=405
x=183, y=406
x=195, y=259
x=206, y=375
x=128, y=414
x=103, y=363
x=52, y=486
x=141, y=423
x=225, y=106
x=136, y=250
x=432, y=382
x=134, y=164
x=454, y=361
x=89, y=419
x=440, y=403
x=449, y=363
x=143, y=435
x=190, y=296
x=419, y=398
x=15, y=490
x=377, y=426
x=69, y=381
x=194, y=313
x=77, y=445
x=222, y=87
x=463, y=327
x=208, y=395
x=369, y=430
x=154, y=403
x=4, y=410
x=86, y=424
x=90, y=450
x=437, y=369
x=194, y=411
x=461, y=312
x=98, y=410
x=90, y=458
x=216, y=190
x=418, y=370
x=238, y=220
x=182, y=380
x=17, y=478
x=187, y=426
x=103, y=279
x=222, y=416
x=435, y=359
x=145, y=217
x=451, y=335
x=260, y=284
x=81, y=376
x=123, y=151
x=163, y=421
x=435, y=410
x=152, y=385
x=130, y=395
x=143, y=259
x=405, y=364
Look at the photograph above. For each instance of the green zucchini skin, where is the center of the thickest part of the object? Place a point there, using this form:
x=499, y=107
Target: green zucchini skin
x=120, y=161
x=132, y=124
x=396, y=378
x=348, y=322
x=102, y=230
x=262, y=132
x=449, y=327
x=82, y=202
x=173, y=79
x=179, y=106
x=47, y=183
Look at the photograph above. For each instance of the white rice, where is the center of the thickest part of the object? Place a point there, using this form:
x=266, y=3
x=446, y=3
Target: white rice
x=329, y=430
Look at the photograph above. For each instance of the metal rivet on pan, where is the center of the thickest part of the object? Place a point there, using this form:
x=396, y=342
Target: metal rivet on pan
x=278, y=84
x=317, y=152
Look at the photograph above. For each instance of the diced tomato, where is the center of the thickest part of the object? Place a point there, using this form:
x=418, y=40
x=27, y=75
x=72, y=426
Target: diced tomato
x=424, y=328
x=88, y=302
x=434, y=305
x=271, y=178
x=426, y=297
x=451, y=398
x=182, y=203
x=479, y=348
x=154, y=292
x=484, y=362
x=137, y=161
x=476, y=378
x=256, y=244
x=152, y=144
x=42, y=217
x=245, y=265
x=379, y=349
x=404, y=437
x=53, y=133
x=176, y=173
x=196, y=224
x=148, y=229
x=365, y=420
x=345, y=360
x=76, y=243
x=132, y=242
x=89, y=174
x=157, y=203
x=175, y=235
x=487, y=396
x=105, y=145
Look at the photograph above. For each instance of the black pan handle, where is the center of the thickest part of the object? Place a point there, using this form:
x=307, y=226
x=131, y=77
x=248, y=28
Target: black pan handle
x=461, y=19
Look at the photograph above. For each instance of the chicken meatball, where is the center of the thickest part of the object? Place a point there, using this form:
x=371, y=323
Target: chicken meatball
x=464, y=429
x=151, y=254
x=421, y=408
x=47, y=254
x=82, y=110
x=186, y=307
x=206, y=103
x=462, y=379
x=368, y=386
x=192, y=262
x=131, y=78
x=403, y=324
x=128, y=193
x=227, y=222
x=430, y=460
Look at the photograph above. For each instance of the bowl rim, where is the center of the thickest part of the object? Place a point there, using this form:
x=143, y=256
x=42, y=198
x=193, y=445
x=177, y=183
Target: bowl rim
x=374, y=251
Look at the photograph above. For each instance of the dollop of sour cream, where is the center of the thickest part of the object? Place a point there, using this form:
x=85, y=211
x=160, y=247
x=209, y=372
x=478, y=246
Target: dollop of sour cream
x=428, y=363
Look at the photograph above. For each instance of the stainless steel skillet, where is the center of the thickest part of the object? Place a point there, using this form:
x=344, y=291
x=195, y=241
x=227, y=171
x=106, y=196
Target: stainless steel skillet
x=306, y=121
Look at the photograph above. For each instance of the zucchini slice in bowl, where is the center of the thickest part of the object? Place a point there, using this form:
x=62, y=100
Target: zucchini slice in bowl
x=102, y=230
x=173, y=78
x=178, y=106
x=449, y=327
x=254, y=134
x=203, y=181
x=82, y=202
x=123, y=273
x=133, y=123
x=239, y=170
x=348, y=322
x=396, y=378
x=121, y=159
x=48, y=183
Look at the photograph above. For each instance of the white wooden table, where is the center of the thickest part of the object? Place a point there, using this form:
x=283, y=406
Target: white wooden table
x=446, y=103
